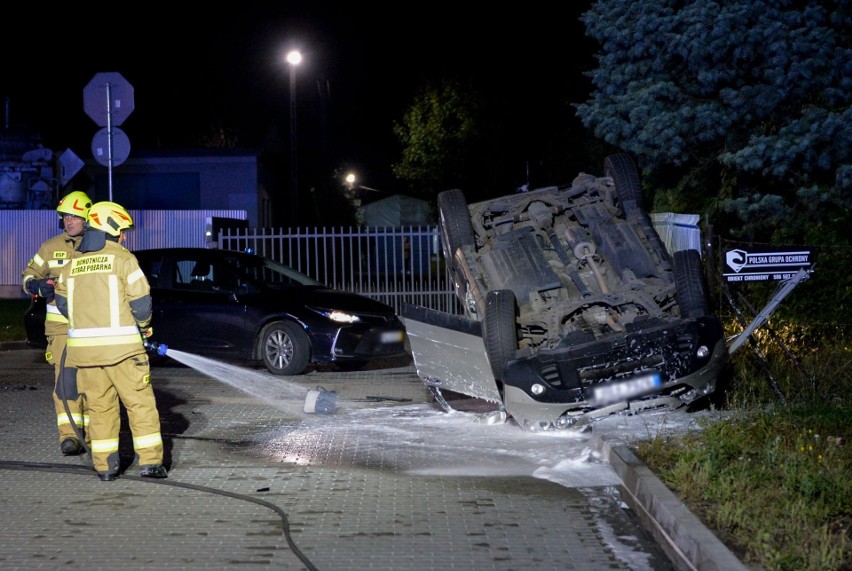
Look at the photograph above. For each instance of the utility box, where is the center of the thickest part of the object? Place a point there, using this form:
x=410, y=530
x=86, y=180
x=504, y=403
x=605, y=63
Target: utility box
x=216, y=224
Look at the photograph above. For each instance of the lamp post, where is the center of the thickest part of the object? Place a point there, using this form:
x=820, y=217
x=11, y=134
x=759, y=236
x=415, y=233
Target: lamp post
x=351, y=179
x=294, y=58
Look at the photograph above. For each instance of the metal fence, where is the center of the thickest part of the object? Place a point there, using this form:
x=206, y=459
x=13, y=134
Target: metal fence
x=24, y=231
x=393, y=265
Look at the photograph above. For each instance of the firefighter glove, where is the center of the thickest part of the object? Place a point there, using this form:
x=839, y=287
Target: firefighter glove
x=146, y=332
x=32, y=286
x=43, y=288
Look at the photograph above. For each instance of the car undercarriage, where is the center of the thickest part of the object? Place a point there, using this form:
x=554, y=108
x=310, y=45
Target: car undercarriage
x=581, y=306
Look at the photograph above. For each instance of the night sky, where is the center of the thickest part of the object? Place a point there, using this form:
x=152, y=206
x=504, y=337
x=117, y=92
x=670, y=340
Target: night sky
x=224, y=65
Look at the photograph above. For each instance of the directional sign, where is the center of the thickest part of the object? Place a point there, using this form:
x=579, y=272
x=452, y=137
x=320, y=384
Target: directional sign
x=108, y=97
x=770, y=264
x=120, y=146
x=69, y=165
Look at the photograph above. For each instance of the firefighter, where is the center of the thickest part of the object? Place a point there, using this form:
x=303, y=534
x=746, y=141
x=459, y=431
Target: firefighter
x=107, y=300
x=39, y=276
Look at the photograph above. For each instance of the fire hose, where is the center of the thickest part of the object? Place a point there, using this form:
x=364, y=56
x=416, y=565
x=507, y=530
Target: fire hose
x=161, y=349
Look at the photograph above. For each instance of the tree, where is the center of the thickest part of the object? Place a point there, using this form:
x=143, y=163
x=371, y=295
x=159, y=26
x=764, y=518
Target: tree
x=741, y=105
x=437, y=133
x=482, y=139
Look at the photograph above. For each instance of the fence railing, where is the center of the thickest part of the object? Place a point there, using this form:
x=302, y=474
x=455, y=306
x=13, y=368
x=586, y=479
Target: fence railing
x=393, y=265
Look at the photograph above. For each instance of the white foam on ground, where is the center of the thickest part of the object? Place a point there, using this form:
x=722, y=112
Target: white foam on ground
x=455, y=444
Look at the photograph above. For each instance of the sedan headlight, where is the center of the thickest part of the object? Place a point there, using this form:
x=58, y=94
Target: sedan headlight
x=337, y=315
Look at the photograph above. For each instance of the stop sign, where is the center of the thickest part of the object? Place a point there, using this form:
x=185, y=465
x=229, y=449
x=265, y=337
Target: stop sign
x=108, y=93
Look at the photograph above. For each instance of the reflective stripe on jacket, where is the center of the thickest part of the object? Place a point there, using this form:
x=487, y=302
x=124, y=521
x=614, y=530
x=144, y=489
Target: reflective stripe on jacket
x=101, y=292
x=53, y=254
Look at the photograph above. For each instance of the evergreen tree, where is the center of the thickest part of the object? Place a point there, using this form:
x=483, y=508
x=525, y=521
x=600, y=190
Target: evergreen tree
x=743, y=105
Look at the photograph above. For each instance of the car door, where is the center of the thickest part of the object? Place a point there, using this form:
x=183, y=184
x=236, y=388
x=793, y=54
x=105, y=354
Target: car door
x=196, y=309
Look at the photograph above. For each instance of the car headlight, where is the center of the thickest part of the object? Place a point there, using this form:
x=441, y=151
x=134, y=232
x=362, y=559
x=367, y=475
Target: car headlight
x=337, y=315
x=342, y=317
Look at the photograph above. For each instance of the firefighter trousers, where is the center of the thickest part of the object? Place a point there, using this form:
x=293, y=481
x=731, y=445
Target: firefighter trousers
x=105, y=389
x=65, y=390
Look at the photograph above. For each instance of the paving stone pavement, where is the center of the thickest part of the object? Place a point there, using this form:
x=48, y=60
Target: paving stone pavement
x=253, y=485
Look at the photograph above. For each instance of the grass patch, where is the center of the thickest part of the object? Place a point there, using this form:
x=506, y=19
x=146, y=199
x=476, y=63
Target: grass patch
x=12, y=319
x=772, y=480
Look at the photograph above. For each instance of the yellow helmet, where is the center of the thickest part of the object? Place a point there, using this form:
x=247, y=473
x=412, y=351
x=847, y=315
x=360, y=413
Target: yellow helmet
x=76, y=203
x=109, y=217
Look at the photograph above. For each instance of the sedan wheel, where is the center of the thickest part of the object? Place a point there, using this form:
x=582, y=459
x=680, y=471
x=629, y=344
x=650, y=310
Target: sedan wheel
x=285, y=348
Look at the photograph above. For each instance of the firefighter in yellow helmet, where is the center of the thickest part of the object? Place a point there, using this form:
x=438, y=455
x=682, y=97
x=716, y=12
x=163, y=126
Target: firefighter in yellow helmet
x=107, y=300
x=39, y=276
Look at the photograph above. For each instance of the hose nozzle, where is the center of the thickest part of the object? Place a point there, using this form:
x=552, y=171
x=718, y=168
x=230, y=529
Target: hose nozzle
x=155, y=348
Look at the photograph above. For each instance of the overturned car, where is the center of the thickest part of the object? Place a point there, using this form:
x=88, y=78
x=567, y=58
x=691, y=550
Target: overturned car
x=580, y=308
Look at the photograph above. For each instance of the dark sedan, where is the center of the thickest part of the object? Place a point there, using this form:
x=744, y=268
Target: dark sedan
x=239, y=306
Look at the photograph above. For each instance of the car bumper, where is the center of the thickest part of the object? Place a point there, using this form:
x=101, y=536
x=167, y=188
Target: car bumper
x=666, y=361
x=363, y=343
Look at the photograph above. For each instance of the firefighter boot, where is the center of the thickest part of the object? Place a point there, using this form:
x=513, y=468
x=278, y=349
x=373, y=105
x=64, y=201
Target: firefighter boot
x=153, y=471
x=71, y=447
x=111, y=473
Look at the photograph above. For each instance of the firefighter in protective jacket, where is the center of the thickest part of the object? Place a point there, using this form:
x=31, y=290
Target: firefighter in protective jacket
x=38, y=280
x=107, y=300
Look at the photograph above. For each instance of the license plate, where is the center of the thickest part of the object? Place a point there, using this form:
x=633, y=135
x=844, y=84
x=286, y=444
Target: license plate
x=391, y=336
x=623, y=390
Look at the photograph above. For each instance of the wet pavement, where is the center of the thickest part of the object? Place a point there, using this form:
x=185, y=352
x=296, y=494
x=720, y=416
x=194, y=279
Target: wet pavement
x=387, y=481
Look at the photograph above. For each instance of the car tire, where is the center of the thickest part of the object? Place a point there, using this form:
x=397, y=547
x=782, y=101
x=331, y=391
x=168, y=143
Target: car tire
x=500, y=329
x=689, y=280
x=454, y=220
x=284, y=348
x=628, y=191
x=625, y=176
x=456, y=232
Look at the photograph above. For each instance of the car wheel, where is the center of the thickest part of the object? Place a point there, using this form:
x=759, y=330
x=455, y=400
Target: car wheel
x=285, y=348
x=622, y=169
x=628, y=191
x=500, y=329
x=689, y=280
x=454, y=220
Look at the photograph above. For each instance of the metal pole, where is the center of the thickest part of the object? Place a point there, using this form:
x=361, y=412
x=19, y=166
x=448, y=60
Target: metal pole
x=294, y=178
x=109, y=138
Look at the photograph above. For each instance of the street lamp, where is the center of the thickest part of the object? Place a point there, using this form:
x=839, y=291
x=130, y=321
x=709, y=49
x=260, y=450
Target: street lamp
x=294, y=58
x=351, y=179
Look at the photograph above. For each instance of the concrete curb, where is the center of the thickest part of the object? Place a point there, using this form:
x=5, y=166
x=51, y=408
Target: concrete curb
x=689, y=543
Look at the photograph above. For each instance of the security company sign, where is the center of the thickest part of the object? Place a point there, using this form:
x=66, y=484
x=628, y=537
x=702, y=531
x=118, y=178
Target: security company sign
x=768, y=265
